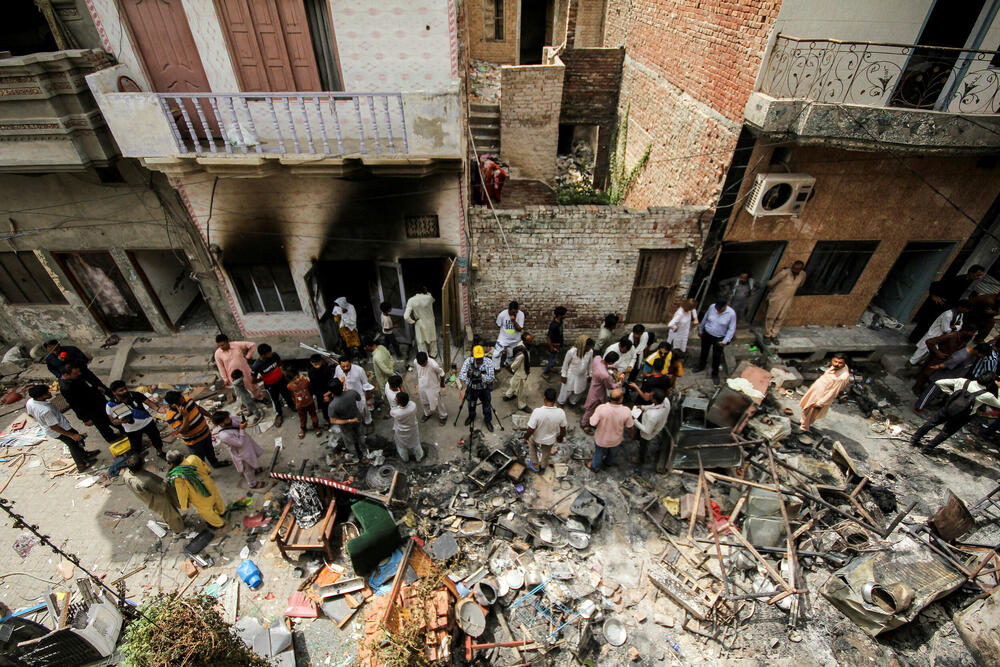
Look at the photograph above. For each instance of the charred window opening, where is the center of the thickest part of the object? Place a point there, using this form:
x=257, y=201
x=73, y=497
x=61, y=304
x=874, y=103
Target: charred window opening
x=264, y=288
x=24, y=280
x=422, y=227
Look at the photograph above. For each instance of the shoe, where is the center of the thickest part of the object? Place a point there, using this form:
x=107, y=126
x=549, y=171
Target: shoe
x=715, y=379
x=489, y=426
x=468, y=420
x=508, y=398
x=224, y=464
x=84, y=468
x=424, y=418
x=279, y=420
x=443, y=421
x=546, y=377
x=526, y=409
x=531, y=465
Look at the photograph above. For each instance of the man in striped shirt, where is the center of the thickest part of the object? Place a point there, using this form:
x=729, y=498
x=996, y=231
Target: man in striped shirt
x=190, y=421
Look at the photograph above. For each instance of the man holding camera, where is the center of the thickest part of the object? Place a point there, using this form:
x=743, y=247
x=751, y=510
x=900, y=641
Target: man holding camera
x=127, y=410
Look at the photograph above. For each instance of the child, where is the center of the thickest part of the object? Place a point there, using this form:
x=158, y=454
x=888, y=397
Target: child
x=298, y=385
x=244, y=449
x=388, y=326
x=248, y=404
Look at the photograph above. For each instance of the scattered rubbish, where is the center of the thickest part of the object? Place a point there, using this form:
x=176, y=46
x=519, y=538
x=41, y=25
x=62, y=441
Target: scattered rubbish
x=156, y=529
x=614, y=632
x=250, y=574
x=86, y=482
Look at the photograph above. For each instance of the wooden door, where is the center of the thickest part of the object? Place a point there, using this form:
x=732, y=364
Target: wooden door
x=163, y=37
x=655, y=285
x=270, y=45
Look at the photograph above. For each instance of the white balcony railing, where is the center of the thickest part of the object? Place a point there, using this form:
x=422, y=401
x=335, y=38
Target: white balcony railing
x=904, y=76
x=315, y=124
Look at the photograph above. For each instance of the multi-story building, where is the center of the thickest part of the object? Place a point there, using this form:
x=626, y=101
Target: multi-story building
x=856, y=137
x=317, y=146
x=93, y=243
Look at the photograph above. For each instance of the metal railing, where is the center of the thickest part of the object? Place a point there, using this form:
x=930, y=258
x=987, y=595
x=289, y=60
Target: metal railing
x=294, y=123
x=906, y=76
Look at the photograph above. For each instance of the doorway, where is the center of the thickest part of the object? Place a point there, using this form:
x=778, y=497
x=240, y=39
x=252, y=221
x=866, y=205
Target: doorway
x=655, y=285
x=532, y=31
x=100, y=283
x=758, y=258
x=931, y=66
x=907, y=281
x=167, y=277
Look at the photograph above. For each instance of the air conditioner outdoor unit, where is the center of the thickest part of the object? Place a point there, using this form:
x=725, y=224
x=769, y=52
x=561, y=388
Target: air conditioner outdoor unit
x=780, y=194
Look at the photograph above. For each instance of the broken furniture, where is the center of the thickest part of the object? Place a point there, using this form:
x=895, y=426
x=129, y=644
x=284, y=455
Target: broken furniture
x=288, y=535
x=379, y=536
x=708, y=447
x=486, y=472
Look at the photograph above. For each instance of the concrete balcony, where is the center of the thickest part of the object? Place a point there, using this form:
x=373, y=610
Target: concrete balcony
x=863, y=94
x=253, y=134
x=49, y=120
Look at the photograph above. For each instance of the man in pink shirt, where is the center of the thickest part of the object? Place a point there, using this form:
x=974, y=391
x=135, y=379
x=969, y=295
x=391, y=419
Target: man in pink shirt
x=603, y=378
x=230, y=355
x=612, y=420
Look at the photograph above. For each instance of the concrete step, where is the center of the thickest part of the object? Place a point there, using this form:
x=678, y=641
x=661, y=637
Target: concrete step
x=486, y=132
x=492, y=148
x=478, y=120
x=484, y=108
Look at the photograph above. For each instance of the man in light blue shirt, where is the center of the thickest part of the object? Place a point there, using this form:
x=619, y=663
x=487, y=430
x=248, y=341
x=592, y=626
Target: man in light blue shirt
x=716, y=328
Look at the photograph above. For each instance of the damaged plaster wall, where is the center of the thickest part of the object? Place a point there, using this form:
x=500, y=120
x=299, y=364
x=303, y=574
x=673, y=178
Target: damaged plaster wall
x=300, y=219
x=866, y=196
x=580, y=257
x=77, y=212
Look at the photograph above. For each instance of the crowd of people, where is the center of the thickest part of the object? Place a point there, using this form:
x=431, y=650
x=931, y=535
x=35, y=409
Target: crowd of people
x=622, y=386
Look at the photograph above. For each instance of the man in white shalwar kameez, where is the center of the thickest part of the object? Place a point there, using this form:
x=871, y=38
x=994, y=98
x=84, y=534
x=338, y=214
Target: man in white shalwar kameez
x=576, y=371
x=354, y=377
x=947, y=322
x=430, y=382
x=404, y=428
x=420, y=313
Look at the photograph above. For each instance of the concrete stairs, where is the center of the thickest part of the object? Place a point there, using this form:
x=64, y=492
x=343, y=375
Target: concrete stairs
x=484, y=122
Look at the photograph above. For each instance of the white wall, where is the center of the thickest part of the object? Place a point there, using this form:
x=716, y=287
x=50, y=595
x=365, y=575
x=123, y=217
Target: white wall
x=395, y=45
x=854, y=20
x=163, y=269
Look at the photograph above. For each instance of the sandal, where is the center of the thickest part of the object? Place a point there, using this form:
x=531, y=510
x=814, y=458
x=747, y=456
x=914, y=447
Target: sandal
x=302, y=434
x=259, y=485
x=589, y=430
x=279, y=420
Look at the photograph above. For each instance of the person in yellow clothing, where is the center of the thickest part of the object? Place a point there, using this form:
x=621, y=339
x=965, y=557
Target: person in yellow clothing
x=192, y=481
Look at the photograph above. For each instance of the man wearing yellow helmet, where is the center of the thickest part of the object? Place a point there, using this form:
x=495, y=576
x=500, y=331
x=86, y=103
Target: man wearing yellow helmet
x=477, y=378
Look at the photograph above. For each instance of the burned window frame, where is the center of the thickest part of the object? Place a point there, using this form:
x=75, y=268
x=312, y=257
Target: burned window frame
x=13, y=288
x=422, y=226
x=255, y=295
x=834, y=267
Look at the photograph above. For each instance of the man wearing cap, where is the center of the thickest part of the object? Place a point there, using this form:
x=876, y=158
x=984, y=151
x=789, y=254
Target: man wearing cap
x=59, y=355
x=477, y=378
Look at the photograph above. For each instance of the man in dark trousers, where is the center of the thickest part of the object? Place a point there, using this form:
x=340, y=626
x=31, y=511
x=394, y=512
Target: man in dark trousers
x=966, y=398
x=59, y=355
x=58, y=427
x=477, y=376
x=131, y=411
x=320, y=377
x=942, y=295
x=268, y=369
x=554, y=339
x=87, y=401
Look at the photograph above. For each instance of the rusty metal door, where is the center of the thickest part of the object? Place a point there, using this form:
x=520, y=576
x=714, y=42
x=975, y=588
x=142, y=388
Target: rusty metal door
x=163, y=37
x=270, y=45
x=656, y=278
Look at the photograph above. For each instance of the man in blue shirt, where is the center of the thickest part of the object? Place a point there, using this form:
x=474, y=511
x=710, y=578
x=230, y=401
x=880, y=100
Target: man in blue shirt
x=477, y=376
x=716, y=328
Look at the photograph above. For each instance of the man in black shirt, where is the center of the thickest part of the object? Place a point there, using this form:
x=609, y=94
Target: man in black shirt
x=657, y=380
x=320, y=376
x=59, y=355
x=554, y=339
x=268, y=369
x=87, y=402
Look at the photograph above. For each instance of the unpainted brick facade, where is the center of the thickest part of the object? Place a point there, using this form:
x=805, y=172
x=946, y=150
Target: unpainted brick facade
x=590, y=96
x=480, y=32
x=688, y=72
x=580, y=257
x=529, y=119
x=866, y=197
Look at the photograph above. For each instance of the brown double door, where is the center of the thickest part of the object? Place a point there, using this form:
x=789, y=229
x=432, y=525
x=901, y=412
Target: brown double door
x=655, y=285
x=270, y=44
x=163, y=37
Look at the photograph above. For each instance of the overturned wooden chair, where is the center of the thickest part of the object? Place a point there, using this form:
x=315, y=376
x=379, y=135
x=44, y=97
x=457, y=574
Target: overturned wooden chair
x=289, y=536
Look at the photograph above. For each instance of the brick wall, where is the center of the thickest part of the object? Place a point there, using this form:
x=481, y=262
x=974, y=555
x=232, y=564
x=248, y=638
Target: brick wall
x=688, y=72
x=551, y=269
x=866, y=196
x=502, y=52
x=529, y=119
x=590, y=88
x=589, y=23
